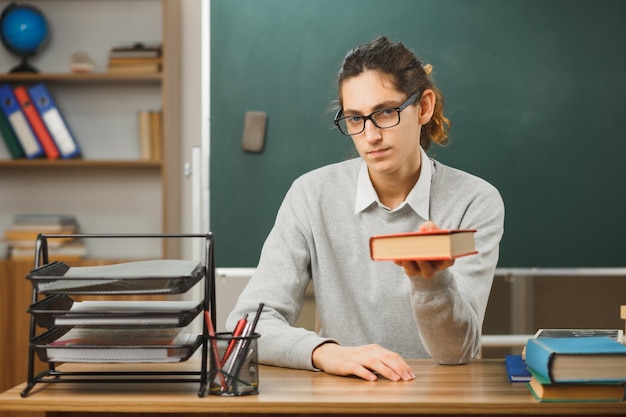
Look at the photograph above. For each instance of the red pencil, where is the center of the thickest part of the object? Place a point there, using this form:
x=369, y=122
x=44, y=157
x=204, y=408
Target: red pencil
x=216, y=352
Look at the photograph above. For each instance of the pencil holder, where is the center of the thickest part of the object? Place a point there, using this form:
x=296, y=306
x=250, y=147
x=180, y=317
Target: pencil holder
x=234, y=364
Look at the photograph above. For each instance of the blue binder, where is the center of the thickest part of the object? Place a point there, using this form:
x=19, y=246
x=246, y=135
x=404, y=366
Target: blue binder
x=54, y=121
x=17, y=119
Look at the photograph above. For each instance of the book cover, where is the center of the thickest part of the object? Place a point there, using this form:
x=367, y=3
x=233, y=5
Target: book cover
x=430, y=245
x=10, y=140
x=144, y=132
x=17, y=119
x=156, y=134
x=135, y=68
x=137, y=50
x=54, y=121
x=576, y=359
x=36, y=123
x=38, y=219
x=66, y=252
x=516, y=368
x=12, y=234
x=575, y=391
x=133, y=61
x=615, y=334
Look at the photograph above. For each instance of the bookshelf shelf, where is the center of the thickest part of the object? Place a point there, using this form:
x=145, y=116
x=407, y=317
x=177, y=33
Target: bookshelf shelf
x=78, y=163
x=94, y=77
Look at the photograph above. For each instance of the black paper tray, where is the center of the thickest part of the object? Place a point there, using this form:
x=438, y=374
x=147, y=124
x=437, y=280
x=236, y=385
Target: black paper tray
x=47, y=351
x=55, y=310
x=141, y=277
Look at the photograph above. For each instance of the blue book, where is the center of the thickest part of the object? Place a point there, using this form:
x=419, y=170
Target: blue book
x=516, y=368
x=54, y=121
x=576, y=359
x=17, y=119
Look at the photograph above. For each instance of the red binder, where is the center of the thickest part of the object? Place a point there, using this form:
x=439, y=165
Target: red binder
x=34, y=119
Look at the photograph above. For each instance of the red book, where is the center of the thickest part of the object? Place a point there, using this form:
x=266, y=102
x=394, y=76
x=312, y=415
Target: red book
x=38, y=126
x=430, y=245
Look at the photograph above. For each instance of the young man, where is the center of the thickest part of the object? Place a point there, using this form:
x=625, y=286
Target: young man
x=373, y=315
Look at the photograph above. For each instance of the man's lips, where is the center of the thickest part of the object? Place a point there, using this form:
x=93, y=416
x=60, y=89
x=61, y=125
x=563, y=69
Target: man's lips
x=377, y=152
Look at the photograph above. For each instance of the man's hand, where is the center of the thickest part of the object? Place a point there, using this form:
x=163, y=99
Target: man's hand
x=426, y=269
x=362, y=361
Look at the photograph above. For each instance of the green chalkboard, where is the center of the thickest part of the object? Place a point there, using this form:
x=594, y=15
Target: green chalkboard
x=535, y=89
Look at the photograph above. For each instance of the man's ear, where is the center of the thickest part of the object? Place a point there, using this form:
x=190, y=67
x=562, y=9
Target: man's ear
x=427, y=106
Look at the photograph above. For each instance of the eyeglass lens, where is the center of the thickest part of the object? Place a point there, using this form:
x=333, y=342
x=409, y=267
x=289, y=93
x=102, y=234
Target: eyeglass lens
x=382, y=119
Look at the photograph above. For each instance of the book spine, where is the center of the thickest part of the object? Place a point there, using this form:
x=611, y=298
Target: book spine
x=539, y=359
x=10, y=140
x=156, y=134
x=144, y=132
x=54, y=121
x=39, y=128
x=17, y=119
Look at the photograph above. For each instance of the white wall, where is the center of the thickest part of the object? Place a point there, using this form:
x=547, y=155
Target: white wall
x=193, y=111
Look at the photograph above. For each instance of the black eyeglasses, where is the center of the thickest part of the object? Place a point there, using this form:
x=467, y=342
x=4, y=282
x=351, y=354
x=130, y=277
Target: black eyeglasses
x=382, y=119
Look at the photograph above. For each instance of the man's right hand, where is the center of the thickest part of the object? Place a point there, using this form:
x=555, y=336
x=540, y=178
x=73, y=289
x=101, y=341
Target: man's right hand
x=362, y=361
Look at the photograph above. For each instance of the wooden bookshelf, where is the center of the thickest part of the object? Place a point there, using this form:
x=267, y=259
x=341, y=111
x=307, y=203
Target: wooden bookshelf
x=101, y=109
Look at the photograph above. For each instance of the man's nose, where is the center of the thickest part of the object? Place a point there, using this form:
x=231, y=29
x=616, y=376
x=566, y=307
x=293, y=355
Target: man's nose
x=372, y=132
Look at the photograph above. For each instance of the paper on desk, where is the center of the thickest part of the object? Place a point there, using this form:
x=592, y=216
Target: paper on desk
x=119, y=345
x=161, y=312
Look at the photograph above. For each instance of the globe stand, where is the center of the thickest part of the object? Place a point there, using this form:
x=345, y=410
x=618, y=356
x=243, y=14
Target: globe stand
x=23, y=67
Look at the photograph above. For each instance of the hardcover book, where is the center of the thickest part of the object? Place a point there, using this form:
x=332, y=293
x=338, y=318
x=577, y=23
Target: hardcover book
x=430, y=245
x=615, y=334
x=575, y=392
x=576, y=359
x=516, y=368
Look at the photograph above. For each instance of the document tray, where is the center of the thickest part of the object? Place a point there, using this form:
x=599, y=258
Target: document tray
x=117, y=328
x=62, y=310
x=160, y=276
x=50, y=349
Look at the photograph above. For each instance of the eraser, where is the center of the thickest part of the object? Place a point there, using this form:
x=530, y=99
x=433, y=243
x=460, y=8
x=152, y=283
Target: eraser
x=254, y=131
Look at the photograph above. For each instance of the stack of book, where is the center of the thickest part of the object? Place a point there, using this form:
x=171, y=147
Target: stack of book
x=32, y=125
x=22, y=236
x=135, y=58
x=576, y=368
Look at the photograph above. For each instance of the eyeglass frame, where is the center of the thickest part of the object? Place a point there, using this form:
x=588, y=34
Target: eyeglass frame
x=412, y=99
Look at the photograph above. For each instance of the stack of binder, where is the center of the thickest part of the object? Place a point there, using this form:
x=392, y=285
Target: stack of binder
x=32, y=125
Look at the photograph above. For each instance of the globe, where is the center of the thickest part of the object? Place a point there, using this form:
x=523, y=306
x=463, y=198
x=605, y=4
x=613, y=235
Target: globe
x=23, y=31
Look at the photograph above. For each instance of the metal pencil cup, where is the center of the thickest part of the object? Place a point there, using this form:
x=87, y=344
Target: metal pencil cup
x=235, y=370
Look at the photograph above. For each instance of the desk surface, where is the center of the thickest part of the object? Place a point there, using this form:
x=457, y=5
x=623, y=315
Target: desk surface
x=480, y=387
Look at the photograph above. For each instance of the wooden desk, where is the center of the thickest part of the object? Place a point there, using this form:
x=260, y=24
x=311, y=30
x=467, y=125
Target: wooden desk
x=479, y=388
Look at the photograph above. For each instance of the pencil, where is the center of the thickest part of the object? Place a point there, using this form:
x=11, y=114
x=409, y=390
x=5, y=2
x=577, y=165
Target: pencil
x=216, y=352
